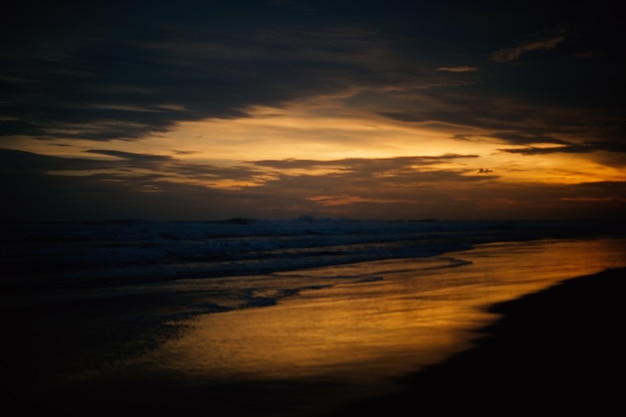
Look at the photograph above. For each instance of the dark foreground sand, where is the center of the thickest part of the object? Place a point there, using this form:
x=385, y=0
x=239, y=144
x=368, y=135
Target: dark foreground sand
x=558, y=351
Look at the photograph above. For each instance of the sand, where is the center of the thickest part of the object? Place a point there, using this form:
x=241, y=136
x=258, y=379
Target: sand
x=557, y=351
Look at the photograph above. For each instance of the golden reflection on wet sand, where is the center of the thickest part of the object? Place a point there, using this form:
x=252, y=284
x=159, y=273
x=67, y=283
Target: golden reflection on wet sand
x=417, y=312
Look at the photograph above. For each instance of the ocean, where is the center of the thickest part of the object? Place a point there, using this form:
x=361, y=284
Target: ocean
x=265, y=317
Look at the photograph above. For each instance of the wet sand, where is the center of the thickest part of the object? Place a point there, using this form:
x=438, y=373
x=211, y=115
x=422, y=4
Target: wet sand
x=560, y=350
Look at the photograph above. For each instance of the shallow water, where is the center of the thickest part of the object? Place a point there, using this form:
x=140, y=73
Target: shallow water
x=359, y=326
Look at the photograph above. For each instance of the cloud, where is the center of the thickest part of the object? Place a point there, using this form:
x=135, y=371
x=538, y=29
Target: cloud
x=544, y=151
x=603, y=199
x=131, y=155
x=398, y=188
x=139, y=171
x=521, y=138
x=104, y=77
x=460, y=68
x=585, y=147
x=173, y=89
x=511, y=54
x=362, y=170
x=352, y=176
x=342, y=200
x=125, y=78
x=19, y=162
x=359, y=163
x=145, y=186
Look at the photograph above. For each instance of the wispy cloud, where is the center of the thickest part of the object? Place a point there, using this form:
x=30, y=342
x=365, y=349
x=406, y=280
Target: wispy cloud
x=460, y=68
x=342, y=200
x=391, y=188
x=131, y=155
x=511, y=54
x=585, y=147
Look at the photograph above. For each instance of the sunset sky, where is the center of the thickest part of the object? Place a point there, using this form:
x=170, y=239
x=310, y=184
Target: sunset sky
x=273, y=109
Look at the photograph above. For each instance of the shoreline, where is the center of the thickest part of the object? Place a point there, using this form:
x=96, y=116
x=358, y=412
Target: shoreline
x=557, y=350
x=534, y=357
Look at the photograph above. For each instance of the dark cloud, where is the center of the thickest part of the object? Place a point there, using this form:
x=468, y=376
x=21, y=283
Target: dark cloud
x=123, y=171
x=47, y=187
x=13, y=161
x=366, y=178
x=131, y=155
x=361, y=163
x=586, y=147
x=387, y=188
x=549, y=73
x=519, y=138
x=124, y=78
x=511, y=54
x=120, y=70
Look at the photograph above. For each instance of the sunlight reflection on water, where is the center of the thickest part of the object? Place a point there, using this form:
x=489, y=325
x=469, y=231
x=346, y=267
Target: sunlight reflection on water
x=419, y=313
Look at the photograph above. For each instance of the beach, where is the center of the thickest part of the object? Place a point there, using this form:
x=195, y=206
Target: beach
x=560, y=350
x=467, y=318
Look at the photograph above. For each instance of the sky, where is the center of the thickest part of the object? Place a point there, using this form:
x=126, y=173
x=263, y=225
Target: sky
x=210, y=110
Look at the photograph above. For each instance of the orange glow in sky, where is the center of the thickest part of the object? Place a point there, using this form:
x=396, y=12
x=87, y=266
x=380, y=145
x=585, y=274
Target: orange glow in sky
x=400, y=112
